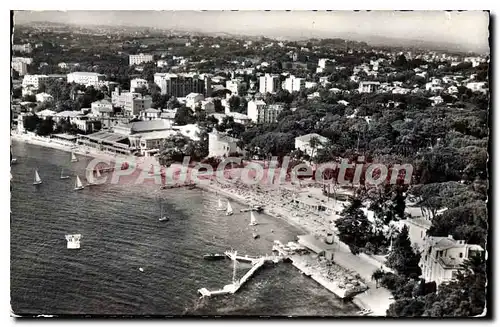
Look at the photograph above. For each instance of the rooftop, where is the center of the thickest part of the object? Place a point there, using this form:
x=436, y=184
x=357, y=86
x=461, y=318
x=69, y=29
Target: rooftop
x=86, y=74
x=149, y=126
x=315, y=244
x=308, y=137
x=107, y=136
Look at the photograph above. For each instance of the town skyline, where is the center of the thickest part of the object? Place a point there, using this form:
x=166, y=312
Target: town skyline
x=462, y=31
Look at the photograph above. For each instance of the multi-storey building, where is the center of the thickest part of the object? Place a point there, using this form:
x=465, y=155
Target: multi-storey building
x=139, y=59
x=325, y=65
x=294, y=84
x=22, y=47
x=261, y=113
x=26, y=60
x=86, y=78
x=269, y=84
x=220, y=145
x=234, y=84
x=102, y=108
x=368, y=87
x=131, y=103
x=20, y=67
x=180, y=85
x=34, y=80
x=138, y=83
x=443, y=256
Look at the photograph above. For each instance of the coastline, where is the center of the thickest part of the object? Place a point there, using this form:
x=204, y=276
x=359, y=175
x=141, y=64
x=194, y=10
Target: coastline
x=277, y=206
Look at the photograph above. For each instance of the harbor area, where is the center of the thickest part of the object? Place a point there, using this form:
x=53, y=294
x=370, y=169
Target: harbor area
x=313, y=257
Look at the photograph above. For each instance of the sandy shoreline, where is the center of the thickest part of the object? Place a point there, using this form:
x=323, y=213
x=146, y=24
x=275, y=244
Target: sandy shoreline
x=276, y=200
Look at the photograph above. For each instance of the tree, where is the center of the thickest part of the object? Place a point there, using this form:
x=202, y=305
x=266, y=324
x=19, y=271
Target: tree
x=45, y=127
x=403, y=258
x=184, y=116
x=30, y=122
x=377, y=275
x=234, y=103
x=353, y=226
x=314, y=143
x=173, y=103
x=29, y=98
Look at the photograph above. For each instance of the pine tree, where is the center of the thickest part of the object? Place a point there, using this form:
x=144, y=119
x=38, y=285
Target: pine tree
x=354, y=228
x=403, y=258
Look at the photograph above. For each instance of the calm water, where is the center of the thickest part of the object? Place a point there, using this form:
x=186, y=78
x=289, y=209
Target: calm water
x=121, y=233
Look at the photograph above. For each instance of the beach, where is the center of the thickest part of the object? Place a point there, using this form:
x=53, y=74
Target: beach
x=278, y=201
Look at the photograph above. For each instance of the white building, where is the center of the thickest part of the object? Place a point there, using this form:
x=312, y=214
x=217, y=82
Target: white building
x=294, y=84
x=26, y=60
x=240, y=118
x=20, y=67
x=368, y=87
x=34, y=80
x=207, y=105
x=310, y=85
x=161, y=63
x=442, y=258
x=234, y=84
x=325, y=65
x=139, y=59
x=22, y=47
x=253, y=109
x=303, y=143
x=102, y=108
x=44, y=97
x=436, y=100
x=269, y=84
x=138, y=83
x=477, y=87
x=192, y=99
x=260, y=113
x=86, y=78
x=131, y=103
x=220, y=145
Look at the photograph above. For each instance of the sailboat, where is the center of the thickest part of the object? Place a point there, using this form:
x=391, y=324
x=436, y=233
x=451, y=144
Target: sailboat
x=229, y=209
x=62, y=174
x=220, y=206
x=38, y=180
x=98, y=175
x=253, y=221
x=73, y=157
x=162, y=217
x=78, y=184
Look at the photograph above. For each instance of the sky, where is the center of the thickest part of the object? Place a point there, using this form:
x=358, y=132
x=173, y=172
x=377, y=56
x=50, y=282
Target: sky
x=467, y=28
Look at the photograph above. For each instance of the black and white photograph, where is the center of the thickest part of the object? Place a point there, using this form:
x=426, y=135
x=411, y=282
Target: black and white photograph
x=251, y=163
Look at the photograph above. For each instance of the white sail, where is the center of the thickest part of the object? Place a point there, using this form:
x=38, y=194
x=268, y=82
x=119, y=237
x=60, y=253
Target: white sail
x=38, y=180
x=73, y=157
x=253, y=221
x=78, y=183
x=229, y=209
x=220, y=204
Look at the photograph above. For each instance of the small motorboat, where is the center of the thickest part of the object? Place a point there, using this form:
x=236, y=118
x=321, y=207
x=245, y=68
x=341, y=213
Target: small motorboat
x=13, y=161
x=63, y=176
x=162, y=217
x=214, y=256
x=141, y=269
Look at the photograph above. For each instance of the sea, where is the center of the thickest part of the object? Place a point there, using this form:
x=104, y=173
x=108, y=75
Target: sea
x=121, y=233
